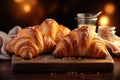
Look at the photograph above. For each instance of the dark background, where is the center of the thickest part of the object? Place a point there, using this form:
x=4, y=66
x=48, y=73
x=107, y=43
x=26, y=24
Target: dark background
x=63, y=11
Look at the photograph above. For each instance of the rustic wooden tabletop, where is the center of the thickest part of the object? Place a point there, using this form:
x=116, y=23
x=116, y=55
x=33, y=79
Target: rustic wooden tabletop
x=7, y=73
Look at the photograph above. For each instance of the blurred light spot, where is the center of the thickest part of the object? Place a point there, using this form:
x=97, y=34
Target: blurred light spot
x=109, y=8
x=27, y=8
x=18, y=1
x=104, y=20
x=31, y=2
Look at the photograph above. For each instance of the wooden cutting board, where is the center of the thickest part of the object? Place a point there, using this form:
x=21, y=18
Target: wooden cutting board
x=48, y=63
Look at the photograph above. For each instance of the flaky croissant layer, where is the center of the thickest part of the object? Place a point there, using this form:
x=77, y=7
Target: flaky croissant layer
x=81, y=42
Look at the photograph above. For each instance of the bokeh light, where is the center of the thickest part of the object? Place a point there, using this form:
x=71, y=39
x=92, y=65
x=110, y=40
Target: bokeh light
x=109, y=8
x=27, y=8
x=104, y=20
x=18, y=1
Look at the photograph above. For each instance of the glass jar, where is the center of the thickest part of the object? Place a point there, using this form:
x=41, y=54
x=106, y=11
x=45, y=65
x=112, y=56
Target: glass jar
x=106, y=32
x=87, y=19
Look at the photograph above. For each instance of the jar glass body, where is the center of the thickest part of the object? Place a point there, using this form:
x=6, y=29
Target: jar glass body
x=86, y=19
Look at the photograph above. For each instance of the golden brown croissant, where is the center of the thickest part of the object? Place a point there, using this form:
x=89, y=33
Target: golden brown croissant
x=38, y=39
x=97, y=49
x=30, y=42
x=81, y=42
x=53, y=29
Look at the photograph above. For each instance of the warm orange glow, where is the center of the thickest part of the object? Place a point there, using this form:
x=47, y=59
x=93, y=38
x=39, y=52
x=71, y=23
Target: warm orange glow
x=27, y=8
x=104, y=20
x=109, y=8
x=18, y=1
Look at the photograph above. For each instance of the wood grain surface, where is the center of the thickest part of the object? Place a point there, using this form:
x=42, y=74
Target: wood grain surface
x=50, y=63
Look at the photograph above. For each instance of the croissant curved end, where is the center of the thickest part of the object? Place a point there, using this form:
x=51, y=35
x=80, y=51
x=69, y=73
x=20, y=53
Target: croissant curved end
x=26, y=55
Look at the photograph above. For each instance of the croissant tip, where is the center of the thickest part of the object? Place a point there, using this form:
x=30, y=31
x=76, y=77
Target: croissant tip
x=54, y=53
x=27, y=55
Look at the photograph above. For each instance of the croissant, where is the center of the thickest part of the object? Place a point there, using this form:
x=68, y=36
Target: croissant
x=81, y=42
x=32, y=41
x=53, y=29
